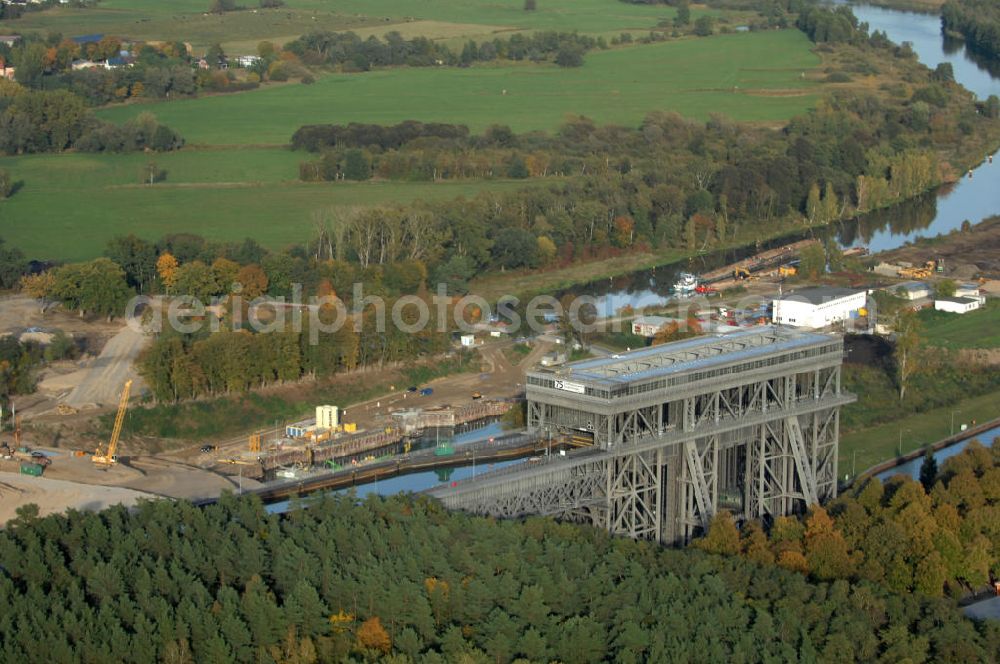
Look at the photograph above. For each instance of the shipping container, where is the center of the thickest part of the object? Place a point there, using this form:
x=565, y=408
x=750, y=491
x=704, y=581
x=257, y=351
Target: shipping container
x=33, y=469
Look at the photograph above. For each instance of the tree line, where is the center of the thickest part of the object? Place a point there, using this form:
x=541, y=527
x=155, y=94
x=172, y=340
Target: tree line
x=350, y=52
x=178, y=366
x=939, y=536
x=978, y=21
x=401, y=579
x=11, y=10
x=54, y=121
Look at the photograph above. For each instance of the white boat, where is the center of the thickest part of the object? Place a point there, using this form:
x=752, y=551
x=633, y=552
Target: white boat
x=686, y=283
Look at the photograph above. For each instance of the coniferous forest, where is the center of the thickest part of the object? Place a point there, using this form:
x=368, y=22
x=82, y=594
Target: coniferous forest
x=402, y=580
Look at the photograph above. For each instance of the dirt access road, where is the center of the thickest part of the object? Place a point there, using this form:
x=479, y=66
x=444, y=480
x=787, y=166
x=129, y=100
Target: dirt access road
x=89, y=381
x=101, y=382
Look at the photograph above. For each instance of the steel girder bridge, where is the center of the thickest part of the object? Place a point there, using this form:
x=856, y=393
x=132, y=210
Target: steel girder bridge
x=747, y=422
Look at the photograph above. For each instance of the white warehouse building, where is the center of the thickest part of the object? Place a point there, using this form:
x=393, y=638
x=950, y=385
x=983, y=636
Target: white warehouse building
x=956, y=305
x=818, y=307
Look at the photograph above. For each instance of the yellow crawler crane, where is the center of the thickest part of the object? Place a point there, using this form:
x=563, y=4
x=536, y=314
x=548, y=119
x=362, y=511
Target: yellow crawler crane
x=110, y=458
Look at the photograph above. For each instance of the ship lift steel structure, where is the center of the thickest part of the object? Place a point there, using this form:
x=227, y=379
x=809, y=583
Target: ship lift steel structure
x=747, y=422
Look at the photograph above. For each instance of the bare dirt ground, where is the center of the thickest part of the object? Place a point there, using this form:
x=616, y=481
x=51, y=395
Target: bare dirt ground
x=54, y=496
x=19, y=312
x=102, y=380
x=97, y=377
x=965, y=254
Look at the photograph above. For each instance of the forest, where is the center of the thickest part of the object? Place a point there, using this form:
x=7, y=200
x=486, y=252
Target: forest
x=400, y=579
x=978, y=21
x=939, y=536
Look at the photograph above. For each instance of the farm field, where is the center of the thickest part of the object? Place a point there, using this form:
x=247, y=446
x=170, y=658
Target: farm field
x=758, y=77
x=71, y=204
x=187, y=20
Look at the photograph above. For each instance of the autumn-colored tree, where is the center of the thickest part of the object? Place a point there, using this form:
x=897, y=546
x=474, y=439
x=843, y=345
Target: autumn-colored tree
x=373, y=637
x=794, y=561
x=673, y=331
x=825, y=548
x=754, y=546
x=254, y=281
x=786, y=535
x=166, y=267
x=723, y=537
x=624, y=231
x=225, y=273
x=39, y=286
x=666, y=333
x=546, y=249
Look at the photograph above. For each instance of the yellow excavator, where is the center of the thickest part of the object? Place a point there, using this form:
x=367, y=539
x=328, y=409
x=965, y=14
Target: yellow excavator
x=110, y=457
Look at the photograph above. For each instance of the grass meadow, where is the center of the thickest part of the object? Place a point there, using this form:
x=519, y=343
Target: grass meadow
x=976, y=329
x=750, y=77
x=71, y=204
x=187, y=20
x=236, y=179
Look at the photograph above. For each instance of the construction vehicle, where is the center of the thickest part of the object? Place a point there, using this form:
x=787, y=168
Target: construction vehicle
x=241, y=462
x=109, y=457
x=702, y=289
x=741, y=274
x=787, y=271
x=914, y=272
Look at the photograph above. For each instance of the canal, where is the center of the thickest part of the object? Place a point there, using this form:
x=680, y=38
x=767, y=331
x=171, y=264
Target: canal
x=421, y=481
x=912, y=467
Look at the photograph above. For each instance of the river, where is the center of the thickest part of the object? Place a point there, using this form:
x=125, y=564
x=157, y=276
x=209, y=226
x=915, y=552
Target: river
x=969, y=199
x=938, y=212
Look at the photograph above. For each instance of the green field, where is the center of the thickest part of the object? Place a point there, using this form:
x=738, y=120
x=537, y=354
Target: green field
x=71, y=204
x=186, y=20
x=751, y=77
x=976, y=329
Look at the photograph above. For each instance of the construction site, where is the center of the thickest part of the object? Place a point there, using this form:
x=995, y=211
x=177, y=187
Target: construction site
x=325, y=442
x=341, y=444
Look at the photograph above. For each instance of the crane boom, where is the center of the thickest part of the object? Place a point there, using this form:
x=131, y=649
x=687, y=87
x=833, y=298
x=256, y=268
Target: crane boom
x=109, y=458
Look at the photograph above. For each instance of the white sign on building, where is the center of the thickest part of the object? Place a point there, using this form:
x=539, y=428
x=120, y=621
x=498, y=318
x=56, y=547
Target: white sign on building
x=570, y=387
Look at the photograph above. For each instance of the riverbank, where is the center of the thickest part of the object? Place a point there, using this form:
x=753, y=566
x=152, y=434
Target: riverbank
x=871, y=447
x=969, y=434
x=918, y=6
x=965, y=253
